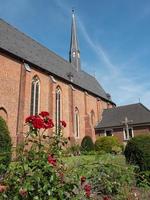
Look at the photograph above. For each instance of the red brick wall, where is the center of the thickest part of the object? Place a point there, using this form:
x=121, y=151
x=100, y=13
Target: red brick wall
x=10, y=71
x=65, y=104
x=118, y=132
x=79, y=102
x=92, y=107
x=44, y=92
x=15, y=87
x=141, y=130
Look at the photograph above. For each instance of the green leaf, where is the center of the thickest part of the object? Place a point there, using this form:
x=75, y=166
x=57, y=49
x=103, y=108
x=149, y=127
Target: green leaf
x=48, y=192
x=26, y=167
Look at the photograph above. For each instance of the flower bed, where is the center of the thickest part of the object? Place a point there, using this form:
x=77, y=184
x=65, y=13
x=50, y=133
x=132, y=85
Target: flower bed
x=39, y=172
x=42, y=173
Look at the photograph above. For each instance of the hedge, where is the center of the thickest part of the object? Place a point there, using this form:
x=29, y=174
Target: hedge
x=5, y=146
x=87, y=144
x=137, y=151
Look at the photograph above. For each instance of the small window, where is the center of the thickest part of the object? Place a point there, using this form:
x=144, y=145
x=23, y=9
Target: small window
x=77, y=123
x=58, y=108
x=128, y=134
x=92, y=118
x=74, y=54
x=35, y=96
x=27, y=67
x=108, y=132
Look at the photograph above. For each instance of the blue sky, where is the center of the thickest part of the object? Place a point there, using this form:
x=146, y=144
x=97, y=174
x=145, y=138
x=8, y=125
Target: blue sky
x=114, y=39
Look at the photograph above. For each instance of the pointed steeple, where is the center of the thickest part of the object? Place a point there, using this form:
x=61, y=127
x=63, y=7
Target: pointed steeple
x=74, y=53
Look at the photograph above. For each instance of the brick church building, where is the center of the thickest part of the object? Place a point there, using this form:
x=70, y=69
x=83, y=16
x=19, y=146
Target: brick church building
x=34, y=79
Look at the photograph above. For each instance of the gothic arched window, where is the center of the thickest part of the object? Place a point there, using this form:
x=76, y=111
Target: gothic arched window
x=58, y=108
x=92, y=117
x=77, y=123
x=35, y=96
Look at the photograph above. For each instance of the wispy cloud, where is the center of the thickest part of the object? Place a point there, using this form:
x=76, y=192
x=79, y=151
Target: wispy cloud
x=122, y=85
x=145, y=11
x=117, y=76
x=125, y=89
x=63, y=6
x=97, y=48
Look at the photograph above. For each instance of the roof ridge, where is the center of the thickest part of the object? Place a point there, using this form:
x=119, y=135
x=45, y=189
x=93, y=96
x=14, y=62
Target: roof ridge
x=26, y=35
x=87, y=73
x=138, y=113
x=52, y=62
x=123, y=106
x=132, y=104
x=144, y=107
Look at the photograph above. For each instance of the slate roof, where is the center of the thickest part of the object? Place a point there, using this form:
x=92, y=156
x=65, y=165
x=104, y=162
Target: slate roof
x=113, y=117
x=22, y=46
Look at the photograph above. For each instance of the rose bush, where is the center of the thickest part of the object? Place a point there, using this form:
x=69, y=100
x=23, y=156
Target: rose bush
x=39, y=172
x=42, y=173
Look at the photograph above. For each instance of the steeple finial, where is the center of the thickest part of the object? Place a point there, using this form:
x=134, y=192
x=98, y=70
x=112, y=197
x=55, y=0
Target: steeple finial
x=74, y=53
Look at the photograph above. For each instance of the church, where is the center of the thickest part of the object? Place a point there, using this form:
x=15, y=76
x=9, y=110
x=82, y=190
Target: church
x=34, y=79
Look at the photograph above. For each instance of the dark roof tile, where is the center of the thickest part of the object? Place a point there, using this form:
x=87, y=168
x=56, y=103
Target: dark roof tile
x=22, y=46
x=113, y=117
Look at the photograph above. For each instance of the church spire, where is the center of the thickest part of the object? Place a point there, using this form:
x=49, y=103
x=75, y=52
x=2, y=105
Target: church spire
x=74, y=53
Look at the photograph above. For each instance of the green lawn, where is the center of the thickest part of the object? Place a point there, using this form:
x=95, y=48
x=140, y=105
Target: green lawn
x=84, y=165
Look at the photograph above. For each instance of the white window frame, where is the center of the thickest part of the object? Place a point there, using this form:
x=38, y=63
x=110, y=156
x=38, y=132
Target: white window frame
x=58, y=104
x=35, y=81
x=92, y=118
x=27, y=67
x=124, y=133
x=76, y=129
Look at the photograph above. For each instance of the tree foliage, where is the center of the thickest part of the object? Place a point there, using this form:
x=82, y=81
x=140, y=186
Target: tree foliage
x=5, y=146
x=137, y=151
x=107, y=144
x=87, y=144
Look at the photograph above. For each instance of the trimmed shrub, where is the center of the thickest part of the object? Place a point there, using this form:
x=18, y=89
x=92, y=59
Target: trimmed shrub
x=108, y=144
x=137, y=152
x=5, y=146
x=87, y=144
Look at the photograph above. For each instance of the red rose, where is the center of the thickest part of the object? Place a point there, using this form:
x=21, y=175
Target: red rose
x=3, y=188
x=106, y=198
x=52, y=160
x=44, y=114
x=87, y=189
x=63, y=123
x=30, y=119
x=83, y=179
x=23, y=192
x=38, y=123
x=48, y=123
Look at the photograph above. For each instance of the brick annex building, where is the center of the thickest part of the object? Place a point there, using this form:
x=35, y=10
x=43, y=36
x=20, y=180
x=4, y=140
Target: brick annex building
x=124, y=122
x=34, y=79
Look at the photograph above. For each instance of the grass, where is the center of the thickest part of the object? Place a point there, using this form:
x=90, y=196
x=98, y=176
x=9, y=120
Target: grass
x=105, y=158
x=84, y=165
